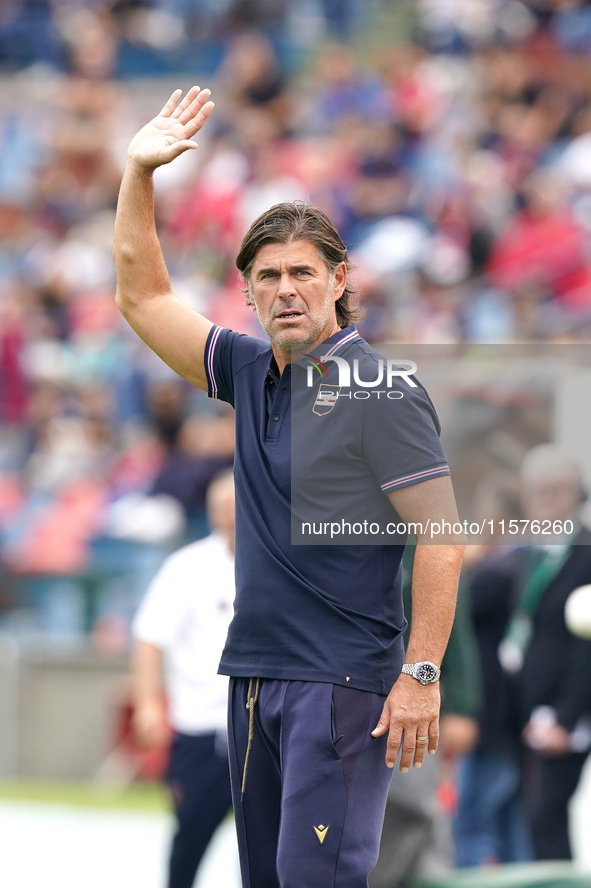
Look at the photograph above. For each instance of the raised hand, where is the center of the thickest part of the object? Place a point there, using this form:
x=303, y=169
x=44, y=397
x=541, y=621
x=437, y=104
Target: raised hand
x=169, y=133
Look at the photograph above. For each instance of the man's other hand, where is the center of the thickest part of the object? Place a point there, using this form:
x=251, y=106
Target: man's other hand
x=411, y=715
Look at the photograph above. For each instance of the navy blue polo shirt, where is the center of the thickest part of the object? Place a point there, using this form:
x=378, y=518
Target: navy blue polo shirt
x=315, y=612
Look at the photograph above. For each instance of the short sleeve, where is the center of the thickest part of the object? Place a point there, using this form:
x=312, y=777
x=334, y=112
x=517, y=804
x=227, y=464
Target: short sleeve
x=225, y=353
x=401, y=440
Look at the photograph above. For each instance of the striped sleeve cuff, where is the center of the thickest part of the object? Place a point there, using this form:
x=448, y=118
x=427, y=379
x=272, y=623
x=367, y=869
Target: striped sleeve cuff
x=212, y=339
x=415, y=477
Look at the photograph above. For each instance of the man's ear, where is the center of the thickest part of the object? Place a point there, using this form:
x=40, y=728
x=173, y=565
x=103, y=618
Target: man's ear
x=340, y=281
x=244, y=288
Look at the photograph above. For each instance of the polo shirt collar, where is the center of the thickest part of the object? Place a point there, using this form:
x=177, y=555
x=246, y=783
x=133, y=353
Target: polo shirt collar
x=333, y=344
x=327, y=348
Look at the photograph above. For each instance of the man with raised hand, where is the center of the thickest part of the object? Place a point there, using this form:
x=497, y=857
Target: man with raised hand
x=320, y=702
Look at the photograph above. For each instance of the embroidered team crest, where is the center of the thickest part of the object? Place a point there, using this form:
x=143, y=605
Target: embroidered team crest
x=326, y=398
x=321, y=832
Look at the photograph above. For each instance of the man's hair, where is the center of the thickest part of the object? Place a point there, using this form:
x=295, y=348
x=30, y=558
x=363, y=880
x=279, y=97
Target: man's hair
x=299, y=221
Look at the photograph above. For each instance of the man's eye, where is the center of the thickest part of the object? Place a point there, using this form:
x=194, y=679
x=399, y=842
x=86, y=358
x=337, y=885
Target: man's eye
x=268, y=274
x=303, y=271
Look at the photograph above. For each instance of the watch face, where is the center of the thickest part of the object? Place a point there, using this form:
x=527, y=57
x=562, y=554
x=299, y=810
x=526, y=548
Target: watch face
x=426, y=673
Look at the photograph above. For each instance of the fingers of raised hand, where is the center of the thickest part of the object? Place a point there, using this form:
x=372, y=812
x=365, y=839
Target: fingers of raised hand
x=194, y=106
x=194, y=125
x=169, y=107
x=189, y=97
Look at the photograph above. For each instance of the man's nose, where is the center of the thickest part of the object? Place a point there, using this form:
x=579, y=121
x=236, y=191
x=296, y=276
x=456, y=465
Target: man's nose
x=286, y=287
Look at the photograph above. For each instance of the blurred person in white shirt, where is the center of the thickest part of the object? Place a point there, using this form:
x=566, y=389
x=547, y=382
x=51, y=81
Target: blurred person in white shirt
x=179, y=633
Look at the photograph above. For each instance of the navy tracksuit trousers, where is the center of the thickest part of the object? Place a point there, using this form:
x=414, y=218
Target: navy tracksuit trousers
x=200, y=786
x=316, y=784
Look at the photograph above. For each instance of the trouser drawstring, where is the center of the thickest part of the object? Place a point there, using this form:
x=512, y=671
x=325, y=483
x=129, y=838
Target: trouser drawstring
x=251, y=702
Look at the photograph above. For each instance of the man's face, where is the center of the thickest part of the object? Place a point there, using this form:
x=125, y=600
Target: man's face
x=293, y=296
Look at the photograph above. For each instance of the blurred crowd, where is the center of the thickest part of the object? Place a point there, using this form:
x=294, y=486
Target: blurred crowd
x=450, y=144
x=456, y=163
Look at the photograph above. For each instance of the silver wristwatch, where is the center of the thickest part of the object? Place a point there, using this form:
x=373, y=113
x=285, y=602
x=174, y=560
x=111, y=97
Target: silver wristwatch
x=425, y=672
